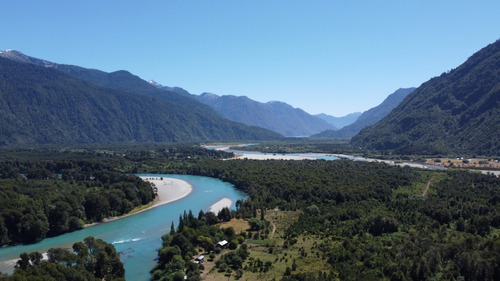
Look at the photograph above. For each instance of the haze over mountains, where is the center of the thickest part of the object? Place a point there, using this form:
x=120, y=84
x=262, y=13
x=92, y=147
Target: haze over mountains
x=275, y=116
x=48, y=103
x=293, y=122
x=342, y=121
x=368, y=117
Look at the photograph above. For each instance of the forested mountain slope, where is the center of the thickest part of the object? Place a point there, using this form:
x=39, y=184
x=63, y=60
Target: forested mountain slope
x=121, y=80
x=287, y=120
x=368, y=117
x=457, y=112
x=42, y=105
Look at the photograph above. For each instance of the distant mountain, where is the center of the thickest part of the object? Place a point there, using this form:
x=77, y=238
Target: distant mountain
x=43, y=105
x=290, y=122
x=121, y=80
x=368, y=117
x=20, y=57
x=342, y=121
x=276, y=116
x=178, y=90
x=457, y=112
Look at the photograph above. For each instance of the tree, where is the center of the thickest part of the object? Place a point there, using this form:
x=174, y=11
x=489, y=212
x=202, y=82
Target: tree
x=96, y=206
x=379, y=225
x=224, y=214
x=167, y=254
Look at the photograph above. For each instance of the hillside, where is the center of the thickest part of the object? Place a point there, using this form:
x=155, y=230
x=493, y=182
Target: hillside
x=368, y=117
x=121, y=80
x=457, y=112
x=42, y=105
x=282, y=119
x=276, y=116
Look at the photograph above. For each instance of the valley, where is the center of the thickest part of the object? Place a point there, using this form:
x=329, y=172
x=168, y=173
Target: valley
x=406, y=190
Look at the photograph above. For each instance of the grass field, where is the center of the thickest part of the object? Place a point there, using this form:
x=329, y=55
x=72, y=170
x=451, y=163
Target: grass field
x=268, y=259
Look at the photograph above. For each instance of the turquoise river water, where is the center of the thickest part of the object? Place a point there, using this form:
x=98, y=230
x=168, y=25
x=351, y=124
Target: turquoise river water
x=138, y=237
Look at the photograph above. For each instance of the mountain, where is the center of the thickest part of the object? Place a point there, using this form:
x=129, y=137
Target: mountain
x=121, y=80
x=368, y=117
x=290, y=122
x=178, y=90
x=43, y=105
x=342, y=121
x=457, y=112
x=276, y=116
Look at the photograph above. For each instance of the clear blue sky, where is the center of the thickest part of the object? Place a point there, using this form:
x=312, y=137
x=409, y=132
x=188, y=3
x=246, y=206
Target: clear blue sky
x=333, y=57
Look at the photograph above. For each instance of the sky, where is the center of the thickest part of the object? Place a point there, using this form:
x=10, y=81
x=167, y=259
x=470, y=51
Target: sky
x=333, y=57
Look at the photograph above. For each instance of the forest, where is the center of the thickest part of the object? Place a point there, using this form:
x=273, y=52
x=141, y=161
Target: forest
x=334, y=220
x=92, y=259
x=40, y=199
x=375, y=221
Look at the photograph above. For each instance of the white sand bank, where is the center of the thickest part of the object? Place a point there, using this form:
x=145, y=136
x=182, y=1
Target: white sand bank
x=168, y=190
x=221, y=204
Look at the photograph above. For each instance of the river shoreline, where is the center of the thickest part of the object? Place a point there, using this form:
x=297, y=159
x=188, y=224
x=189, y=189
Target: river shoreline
x=168, y=190
x=221, y=204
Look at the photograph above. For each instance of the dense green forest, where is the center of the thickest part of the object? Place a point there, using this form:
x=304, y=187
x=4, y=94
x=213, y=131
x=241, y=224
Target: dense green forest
x=375, y=221
x=40, y=199
x=362, y=220
x=92, y=259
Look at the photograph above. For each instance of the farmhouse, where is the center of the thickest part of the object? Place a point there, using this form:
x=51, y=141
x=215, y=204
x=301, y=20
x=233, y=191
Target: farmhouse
x=221, y=244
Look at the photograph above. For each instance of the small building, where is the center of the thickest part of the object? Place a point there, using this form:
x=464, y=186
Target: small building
x=221, y=244
x=199, y=259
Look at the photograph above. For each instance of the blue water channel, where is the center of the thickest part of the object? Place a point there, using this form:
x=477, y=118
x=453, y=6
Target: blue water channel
x=138, y=237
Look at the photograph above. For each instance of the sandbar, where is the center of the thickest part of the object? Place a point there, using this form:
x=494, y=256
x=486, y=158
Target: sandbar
x=168, y=190
x=221, y=204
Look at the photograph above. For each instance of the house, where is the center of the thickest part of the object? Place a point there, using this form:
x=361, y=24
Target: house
x=199, y=259
x=221, y=244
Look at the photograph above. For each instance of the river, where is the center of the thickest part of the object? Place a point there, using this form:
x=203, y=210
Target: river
x=138, y=237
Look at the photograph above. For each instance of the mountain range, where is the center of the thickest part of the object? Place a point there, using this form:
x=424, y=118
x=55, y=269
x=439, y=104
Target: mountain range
x=342, y=121
x=47, y=103
x=368, y=117
x=276, y=116
x=456, y=112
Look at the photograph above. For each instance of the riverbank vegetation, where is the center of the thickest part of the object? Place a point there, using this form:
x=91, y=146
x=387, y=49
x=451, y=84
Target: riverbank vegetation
x=46, y=192
x=195, y=239
x=92, y=259
x=41, y=199
x=307, y=220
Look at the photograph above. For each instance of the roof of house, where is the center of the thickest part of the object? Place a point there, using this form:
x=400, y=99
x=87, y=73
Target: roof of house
x=222, y=243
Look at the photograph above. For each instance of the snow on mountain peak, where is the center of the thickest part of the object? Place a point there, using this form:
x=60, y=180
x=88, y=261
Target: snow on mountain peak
x=154, y=83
